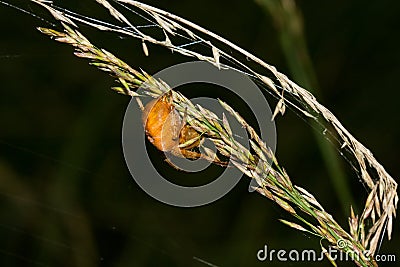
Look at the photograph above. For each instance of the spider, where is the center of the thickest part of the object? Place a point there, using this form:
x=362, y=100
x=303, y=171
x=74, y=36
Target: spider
x=168, y=132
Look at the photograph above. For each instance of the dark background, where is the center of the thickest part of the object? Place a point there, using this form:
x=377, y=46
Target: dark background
x=66, y=195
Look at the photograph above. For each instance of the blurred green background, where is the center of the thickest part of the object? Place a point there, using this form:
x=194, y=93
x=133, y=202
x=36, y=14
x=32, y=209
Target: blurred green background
x=66, y=196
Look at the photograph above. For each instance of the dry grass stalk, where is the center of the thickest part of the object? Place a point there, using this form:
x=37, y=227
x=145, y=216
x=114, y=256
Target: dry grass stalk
x=274, y=181
x=381, y=204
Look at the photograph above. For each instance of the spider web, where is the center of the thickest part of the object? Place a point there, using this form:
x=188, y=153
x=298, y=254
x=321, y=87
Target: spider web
x=152, y=25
